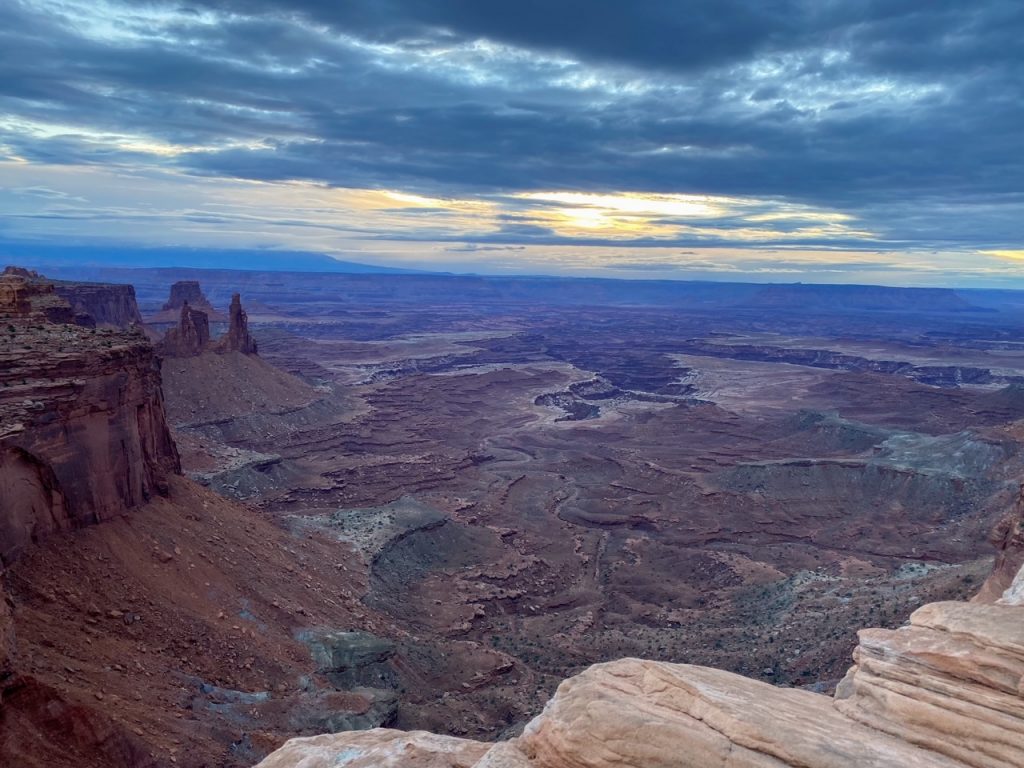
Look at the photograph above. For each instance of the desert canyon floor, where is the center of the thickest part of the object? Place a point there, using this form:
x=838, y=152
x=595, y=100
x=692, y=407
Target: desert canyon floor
x=430, y=500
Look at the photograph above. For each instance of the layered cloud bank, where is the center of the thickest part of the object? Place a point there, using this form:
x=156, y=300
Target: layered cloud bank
x=858, y=141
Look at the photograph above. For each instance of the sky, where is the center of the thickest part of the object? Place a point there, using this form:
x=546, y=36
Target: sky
x=866, y=141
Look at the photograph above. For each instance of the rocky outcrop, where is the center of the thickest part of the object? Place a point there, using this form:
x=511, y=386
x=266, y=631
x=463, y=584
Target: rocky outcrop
x=653, y=715
x=26, y=296
x=945, y=691
x=112, y=306
x=950, y=682
x=83, y=434
x=1008, y=539
x=644, y=714
x=380, y=748
x=238, y=338
x=190, y=338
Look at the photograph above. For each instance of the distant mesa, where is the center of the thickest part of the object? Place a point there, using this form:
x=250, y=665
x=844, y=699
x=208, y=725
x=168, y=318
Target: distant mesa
x=187, y=292
x=802, y=297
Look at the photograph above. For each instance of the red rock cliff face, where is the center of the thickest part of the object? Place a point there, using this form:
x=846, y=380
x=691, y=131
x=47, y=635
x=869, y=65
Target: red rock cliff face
x=1008, y=539
x=190, y=338
x=83, y=434
x=108, y=305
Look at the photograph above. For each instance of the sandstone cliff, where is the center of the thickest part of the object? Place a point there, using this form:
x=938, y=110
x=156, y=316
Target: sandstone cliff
x=83, y=434
x=190, y=338
x=167, y=637
x=944, y=691
x=112, y=306
x=26, y=297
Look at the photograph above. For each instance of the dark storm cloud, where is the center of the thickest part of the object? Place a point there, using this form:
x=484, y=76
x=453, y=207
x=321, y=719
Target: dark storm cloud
x=688, y=35
x=899, y=112
x=679, y=35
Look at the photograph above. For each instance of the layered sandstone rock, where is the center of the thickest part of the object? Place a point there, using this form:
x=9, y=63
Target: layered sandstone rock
x=946, y=691
x=83, y=434
x=238, y=338
x=190, y=338
x=27, y=297
x=112, y=306
x=644, y=714
x=187, y=292
x=379, y=748
x=1006, y=584
x=952, y=681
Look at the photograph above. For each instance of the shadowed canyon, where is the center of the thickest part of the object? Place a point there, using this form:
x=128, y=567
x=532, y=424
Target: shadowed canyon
x=338, y=502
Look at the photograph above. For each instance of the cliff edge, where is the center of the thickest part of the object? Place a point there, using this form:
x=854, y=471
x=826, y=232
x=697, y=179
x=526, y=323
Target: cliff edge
x=944, y=691
x=169, y=636
x=83, y=434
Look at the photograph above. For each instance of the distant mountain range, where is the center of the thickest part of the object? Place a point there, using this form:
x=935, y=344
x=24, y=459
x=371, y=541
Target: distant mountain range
x=142, y=266
x=43, y=256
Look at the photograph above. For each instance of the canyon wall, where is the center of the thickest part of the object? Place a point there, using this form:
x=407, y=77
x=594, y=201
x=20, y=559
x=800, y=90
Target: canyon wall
x=83, y=434
x=108, y=305
x=1006, y=584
